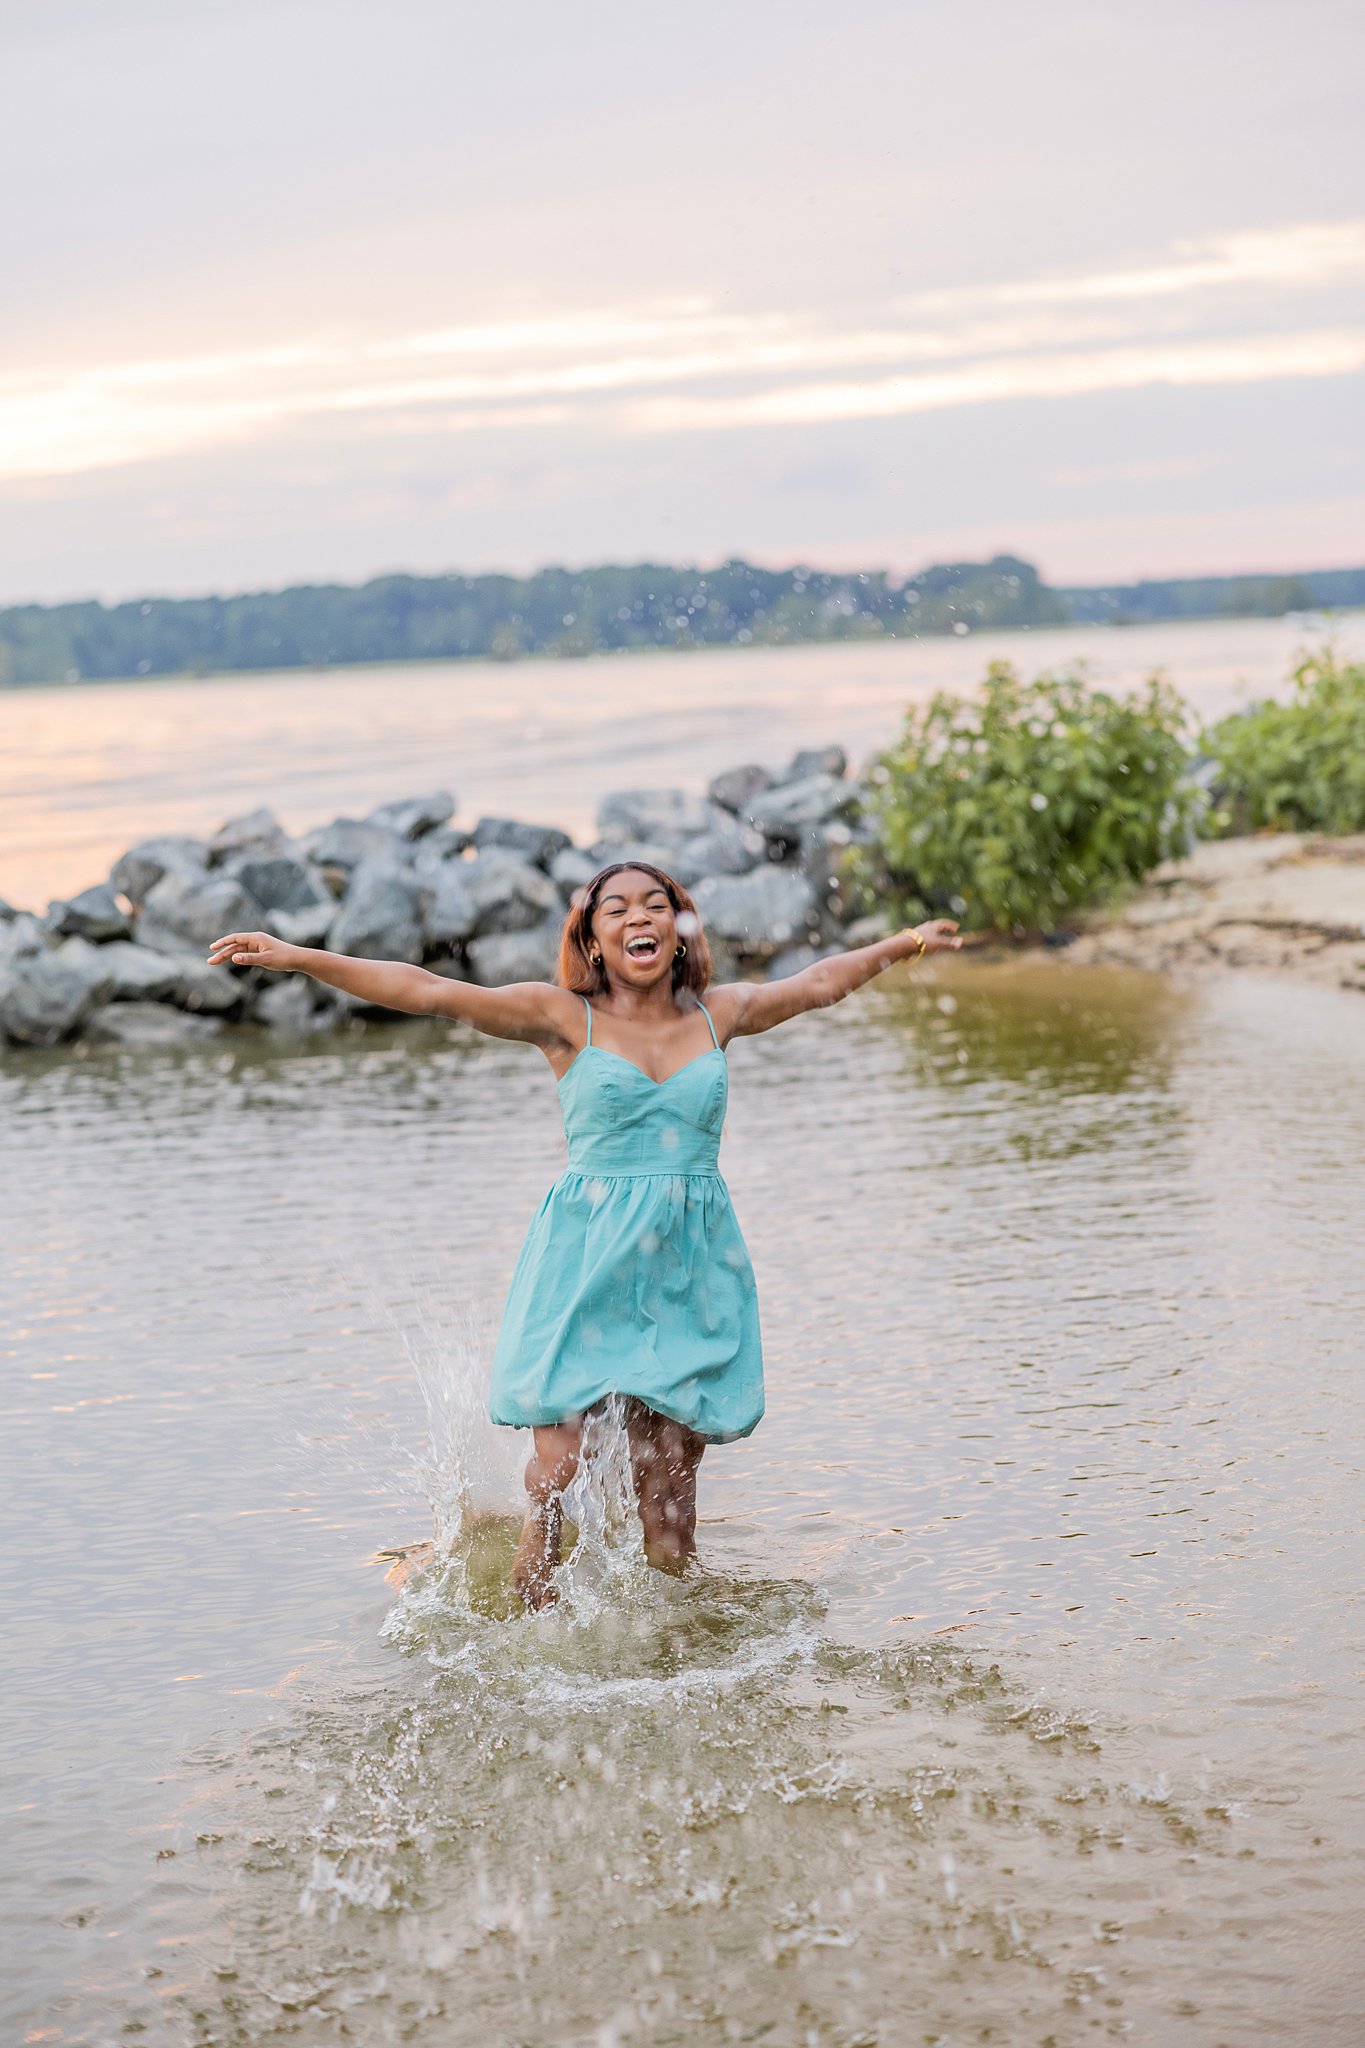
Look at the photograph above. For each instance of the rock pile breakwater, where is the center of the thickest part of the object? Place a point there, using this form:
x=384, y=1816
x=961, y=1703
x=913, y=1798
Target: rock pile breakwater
x=123, y=961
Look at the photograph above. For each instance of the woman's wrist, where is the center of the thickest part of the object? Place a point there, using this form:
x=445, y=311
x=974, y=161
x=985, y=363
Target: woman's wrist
x=911, y=944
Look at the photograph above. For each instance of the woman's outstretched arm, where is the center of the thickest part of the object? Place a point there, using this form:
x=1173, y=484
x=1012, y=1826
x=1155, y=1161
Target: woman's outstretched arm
x=744, y=1007
x=534, y=1010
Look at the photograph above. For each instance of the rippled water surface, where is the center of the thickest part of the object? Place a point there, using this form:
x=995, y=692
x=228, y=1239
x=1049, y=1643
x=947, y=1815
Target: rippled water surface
x=86, y=771
x=1019, y=1699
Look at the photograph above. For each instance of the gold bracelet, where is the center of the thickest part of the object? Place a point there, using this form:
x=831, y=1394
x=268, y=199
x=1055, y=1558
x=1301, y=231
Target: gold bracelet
x=923, y=948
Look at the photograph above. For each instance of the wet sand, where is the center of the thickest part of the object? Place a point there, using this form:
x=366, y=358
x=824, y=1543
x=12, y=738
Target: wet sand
x=1279, y=902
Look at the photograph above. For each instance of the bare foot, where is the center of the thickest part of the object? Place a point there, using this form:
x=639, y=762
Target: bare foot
x=537, y=1554
x=408, y=1560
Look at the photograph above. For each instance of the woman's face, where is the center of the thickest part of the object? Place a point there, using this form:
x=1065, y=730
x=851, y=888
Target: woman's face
x=634, y=930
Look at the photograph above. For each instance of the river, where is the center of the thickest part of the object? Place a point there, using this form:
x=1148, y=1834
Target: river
x=1019, y=1697
x=86, y=769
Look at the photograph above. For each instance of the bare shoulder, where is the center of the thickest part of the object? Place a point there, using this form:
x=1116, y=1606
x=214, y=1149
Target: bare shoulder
x=558, y=1011
x=566, y=1012
x=729, y=1002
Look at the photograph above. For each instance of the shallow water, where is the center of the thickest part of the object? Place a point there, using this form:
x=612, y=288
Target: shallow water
x=1019, y=1698
x=88, y=770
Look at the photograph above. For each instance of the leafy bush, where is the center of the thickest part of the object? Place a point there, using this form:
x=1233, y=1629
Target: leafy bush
x=1010, y=808
x=1298, y=766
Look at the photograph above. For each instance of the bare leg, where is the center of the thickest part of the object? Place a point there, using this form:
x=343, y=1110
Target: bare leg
x=664, y=1456
x=549, y=1470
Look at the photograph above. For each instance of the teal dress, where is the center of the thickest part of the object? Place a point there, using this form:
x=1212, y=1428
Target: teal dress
x=634, y=1278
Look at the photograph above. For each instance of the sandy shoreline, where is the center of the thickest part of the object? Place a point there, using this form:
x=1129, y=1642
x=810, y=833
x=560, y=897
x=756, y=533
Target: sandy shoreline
x=1283, y=902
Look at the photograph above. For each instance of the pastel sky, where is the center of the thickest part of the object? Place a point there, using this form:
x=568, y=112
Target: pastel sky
x=310, y=290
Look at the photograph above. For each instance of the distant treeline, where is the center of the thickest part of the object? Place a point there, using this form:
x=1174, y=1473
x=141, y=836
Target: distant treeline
x=1215, y=597
x=593, y=611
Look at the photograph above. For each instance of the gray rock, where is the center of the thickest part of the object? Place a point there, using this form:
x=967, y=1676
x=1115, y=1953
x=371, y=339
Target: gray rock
x=631, y=816
x=258, y=832
x=792, y=959
x=382, y=915
x=865, y=931
x=446, y=844
x=733, y=789
x=726, y=964
x=452, y=911
x=304, y=927
x=135, y=873
x=95, y=914
x=185, y=913
x=731, y=849
x=813, y=761
x=208, y=989
x=784, y=813
x=758, y=913
x=7, y=911
x=495, y=892
x=573, y=869
x=45, y=997
x=137, y=974
x=822, y=855
x=23, y=935
x=502, y=957
x=413, y=817
x=149, y=1024
x=817, y=852
x=674, y=860
x=289, y=1003
x=283, y=882
x=346, y=842
x=536, y=843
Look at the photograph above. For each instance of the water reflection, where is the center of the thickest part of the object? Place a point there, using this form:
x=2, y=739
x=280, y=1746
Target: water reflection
x=1038, y=1024
x=1017, y=1693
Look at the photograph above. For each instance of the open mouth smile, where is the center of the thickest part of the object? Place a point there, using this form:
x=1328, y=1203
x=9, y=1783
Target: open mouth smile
x=644, y=946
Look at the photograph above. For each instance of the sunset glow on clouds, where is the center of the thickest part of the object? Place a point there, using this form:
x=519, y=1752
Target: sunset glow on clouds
x=300, y=292
x=1207, y=316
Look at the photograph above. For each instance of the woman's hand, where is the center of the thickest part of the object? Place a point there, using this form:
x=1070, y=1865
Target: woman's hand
x=939, y=935
x=253, y=949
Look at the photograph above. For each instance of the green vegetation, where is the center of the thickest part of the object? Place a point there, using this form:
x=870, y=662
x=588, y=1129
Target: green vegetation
x=1215, y=597
x=1298, y=766
x=563, y=612
x=555, y=612
x=1010, y=808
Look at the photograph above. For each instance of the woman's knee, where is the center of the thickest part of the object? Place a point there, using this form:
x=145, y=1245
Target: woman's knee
x=659, y=1443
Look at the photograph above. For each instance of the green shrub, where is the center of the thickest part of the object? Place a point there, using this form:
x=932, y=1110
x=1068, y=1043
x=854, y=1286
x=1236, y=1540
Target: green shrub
x=1010, y=808
x=1298, y=766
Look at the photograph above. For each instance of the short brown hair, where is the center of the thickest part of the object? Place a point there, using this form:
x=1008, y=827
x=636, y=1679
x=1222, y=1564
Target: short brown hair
x=588, y=977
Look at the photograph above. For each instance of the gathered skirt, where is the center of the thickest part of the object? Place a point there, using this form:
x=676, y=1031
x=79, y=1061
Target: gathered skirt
x=632, y=1284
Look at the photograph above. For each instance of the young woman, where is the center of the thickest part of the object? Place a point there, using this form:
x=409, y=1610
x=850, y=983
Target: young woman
x=633, y=1281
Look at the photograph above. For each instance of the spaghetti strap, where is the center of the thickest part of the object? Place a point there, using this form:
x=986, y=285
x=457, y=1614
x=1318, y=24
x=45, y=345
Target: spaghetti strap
x=710, y=1026
x=588, y=1007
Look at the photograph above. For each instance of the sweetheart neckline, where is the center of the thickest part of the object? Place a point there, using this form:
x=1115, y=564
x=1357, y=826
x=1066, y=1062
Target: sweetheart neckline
x=607, y=1053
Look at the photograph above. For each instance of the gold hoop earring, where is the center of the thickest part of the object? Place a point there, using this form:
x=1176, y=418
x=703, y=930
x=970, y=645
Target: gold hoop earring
x=680, y=951
x=596, y=959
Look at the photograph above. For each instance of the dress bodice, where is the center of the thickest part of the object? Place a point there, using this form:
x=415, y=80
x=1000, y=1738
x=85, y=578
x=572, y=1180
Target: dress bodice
x=634, y=1280
x=619, y=1121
